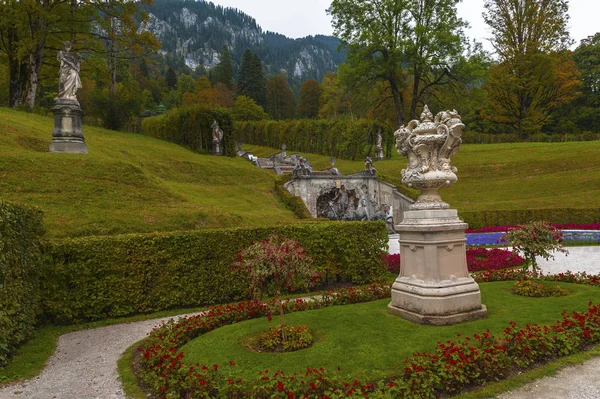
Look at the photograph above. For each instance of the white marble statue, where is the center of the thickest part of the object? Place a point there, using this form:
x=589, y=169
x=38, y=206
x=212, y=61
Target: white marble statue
x=68, y=73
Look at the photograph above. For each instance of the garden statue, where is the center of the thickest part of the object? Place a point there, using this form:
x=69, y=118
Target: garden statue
x=69, y=81
x=434, y=285
x=369, y=168
x=429, y=144
x=379, y=146
x=67, y=136
x=302, y=168
x=217, y=139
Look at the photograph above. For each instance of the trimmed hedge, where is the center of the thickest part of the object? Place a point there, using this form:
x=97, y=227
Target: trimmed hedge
x=480, y=219
x=190, y=126
x=97, y=277
x=342, y=138
x=20, y=255
x=491, y=138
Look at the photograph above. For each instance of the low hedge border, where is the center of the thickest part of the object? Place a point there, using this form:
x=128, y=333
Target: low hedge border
x=481, y=219
x=450, y=368
x=92, y=278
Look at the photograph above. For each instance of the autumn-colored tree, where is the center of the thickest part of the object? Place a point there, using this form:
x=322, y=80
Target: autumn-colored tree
x=308, y=102
x=218, y=96
x=280, y=99
x=534, y=75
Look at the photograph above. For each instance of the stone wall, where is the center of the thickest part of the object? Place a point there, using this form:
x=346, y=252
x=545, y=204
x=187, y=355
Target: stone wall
x=317, y=190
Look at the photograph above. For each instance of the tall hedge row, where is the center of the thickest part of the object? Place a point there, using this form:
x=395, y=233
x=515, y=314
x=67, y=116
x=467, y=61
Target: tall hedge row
x=190, y=126
x=345, y=139
x=479, y=219
x=20, y=255
x=97, y=277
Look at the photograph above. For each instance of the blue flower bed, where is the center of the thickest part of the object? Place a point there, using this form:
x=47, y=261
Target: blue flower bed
x=587, y=236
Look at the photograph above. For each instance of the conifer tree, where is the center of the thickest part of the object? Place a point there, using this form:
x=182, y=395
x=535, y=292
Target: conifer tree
x=251, y=79
x=280, y=99
x=308, y=103
x=223, y=72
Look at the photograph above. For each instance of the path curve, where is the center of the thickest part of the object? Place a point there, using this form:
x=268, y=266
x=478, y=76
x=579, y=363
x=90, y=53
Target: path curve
x=84, y=365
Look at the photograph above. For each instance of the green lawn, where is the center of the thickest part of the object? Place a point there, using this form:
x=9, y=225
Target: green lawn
x=365, y=341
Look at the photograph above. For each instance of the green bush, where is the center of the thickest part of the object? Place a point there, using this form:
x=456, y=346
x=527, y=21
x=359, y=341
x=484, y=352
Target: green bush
x=480, y=219
x=20, y=230
x=345, y=139
x=97, y=277
x=190, y=126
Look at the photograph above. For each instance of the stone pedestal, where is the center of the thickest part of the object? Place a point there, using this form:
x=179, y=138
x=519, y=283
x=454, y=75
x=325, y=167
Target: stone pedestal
x=434, y=286
x=67, y=136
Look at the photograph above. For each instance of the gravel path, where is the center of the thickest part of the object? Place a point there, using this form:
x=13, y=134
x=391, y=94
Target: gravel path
x=84, y=365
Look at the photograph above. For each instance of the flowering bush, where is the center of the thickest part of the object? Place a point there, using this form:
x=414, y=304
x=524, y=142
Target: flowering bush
x=536, y=289
x=274, y=265
x=535, y=239
x=298, y=337
x=478, y=259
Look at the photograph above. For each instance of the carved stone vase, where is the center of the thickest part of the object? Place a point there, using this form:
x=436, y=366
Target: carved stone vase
x=67, y=136
x=434, y=286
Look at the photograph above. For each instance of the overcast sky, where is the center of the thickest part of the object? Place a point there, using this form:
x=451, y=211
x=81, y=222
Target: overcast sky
x=299, y=18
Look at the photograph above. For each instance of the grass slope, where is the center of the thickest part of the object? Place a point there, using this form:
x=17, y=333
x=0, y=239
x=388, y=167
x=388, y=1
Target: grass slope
x=129, y=183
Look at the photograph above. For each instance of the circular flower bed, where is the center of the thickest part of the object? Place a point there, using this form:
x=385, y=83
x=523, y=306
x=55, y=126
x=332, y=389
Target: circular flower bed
x=536, y=289
x=297, y=337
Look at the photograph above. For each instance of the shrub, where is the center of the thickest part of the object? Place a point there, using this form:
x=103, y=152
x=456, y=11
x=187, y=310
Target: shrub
x=272, y=340
x=92, y=278
x=20, y=253
x=275, y=265
x=535, y=239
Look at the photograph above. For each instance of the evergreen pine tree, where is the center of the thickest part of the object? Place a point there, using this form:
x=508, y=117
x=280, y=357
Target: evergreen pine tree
x=171, y=78
x=251, y=79
x=308, y=103
x=280, y=99
x=223, y=71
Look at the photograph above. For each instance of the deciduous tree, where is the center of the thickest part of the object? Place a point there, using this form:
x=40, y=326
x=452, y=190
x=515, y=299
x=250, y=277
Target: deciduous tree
x=408, y=43
x=534, y=75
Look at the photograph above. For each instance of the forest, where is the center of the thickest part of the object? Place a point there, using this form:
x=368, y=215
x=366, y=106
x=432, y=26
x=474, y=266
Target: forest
x=395, y=57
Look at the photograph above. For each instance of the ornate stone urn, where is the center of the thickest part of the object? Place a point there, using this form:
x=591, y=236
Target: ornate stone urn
x=429, y=144
x=434, y=286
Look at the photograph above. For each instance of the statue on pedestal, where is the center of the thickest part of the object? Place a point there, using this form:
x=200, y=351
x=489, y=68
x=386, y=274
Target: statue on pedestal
x=68, y=74
x=379, y=146
x=217, y=139
x=67, y=136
